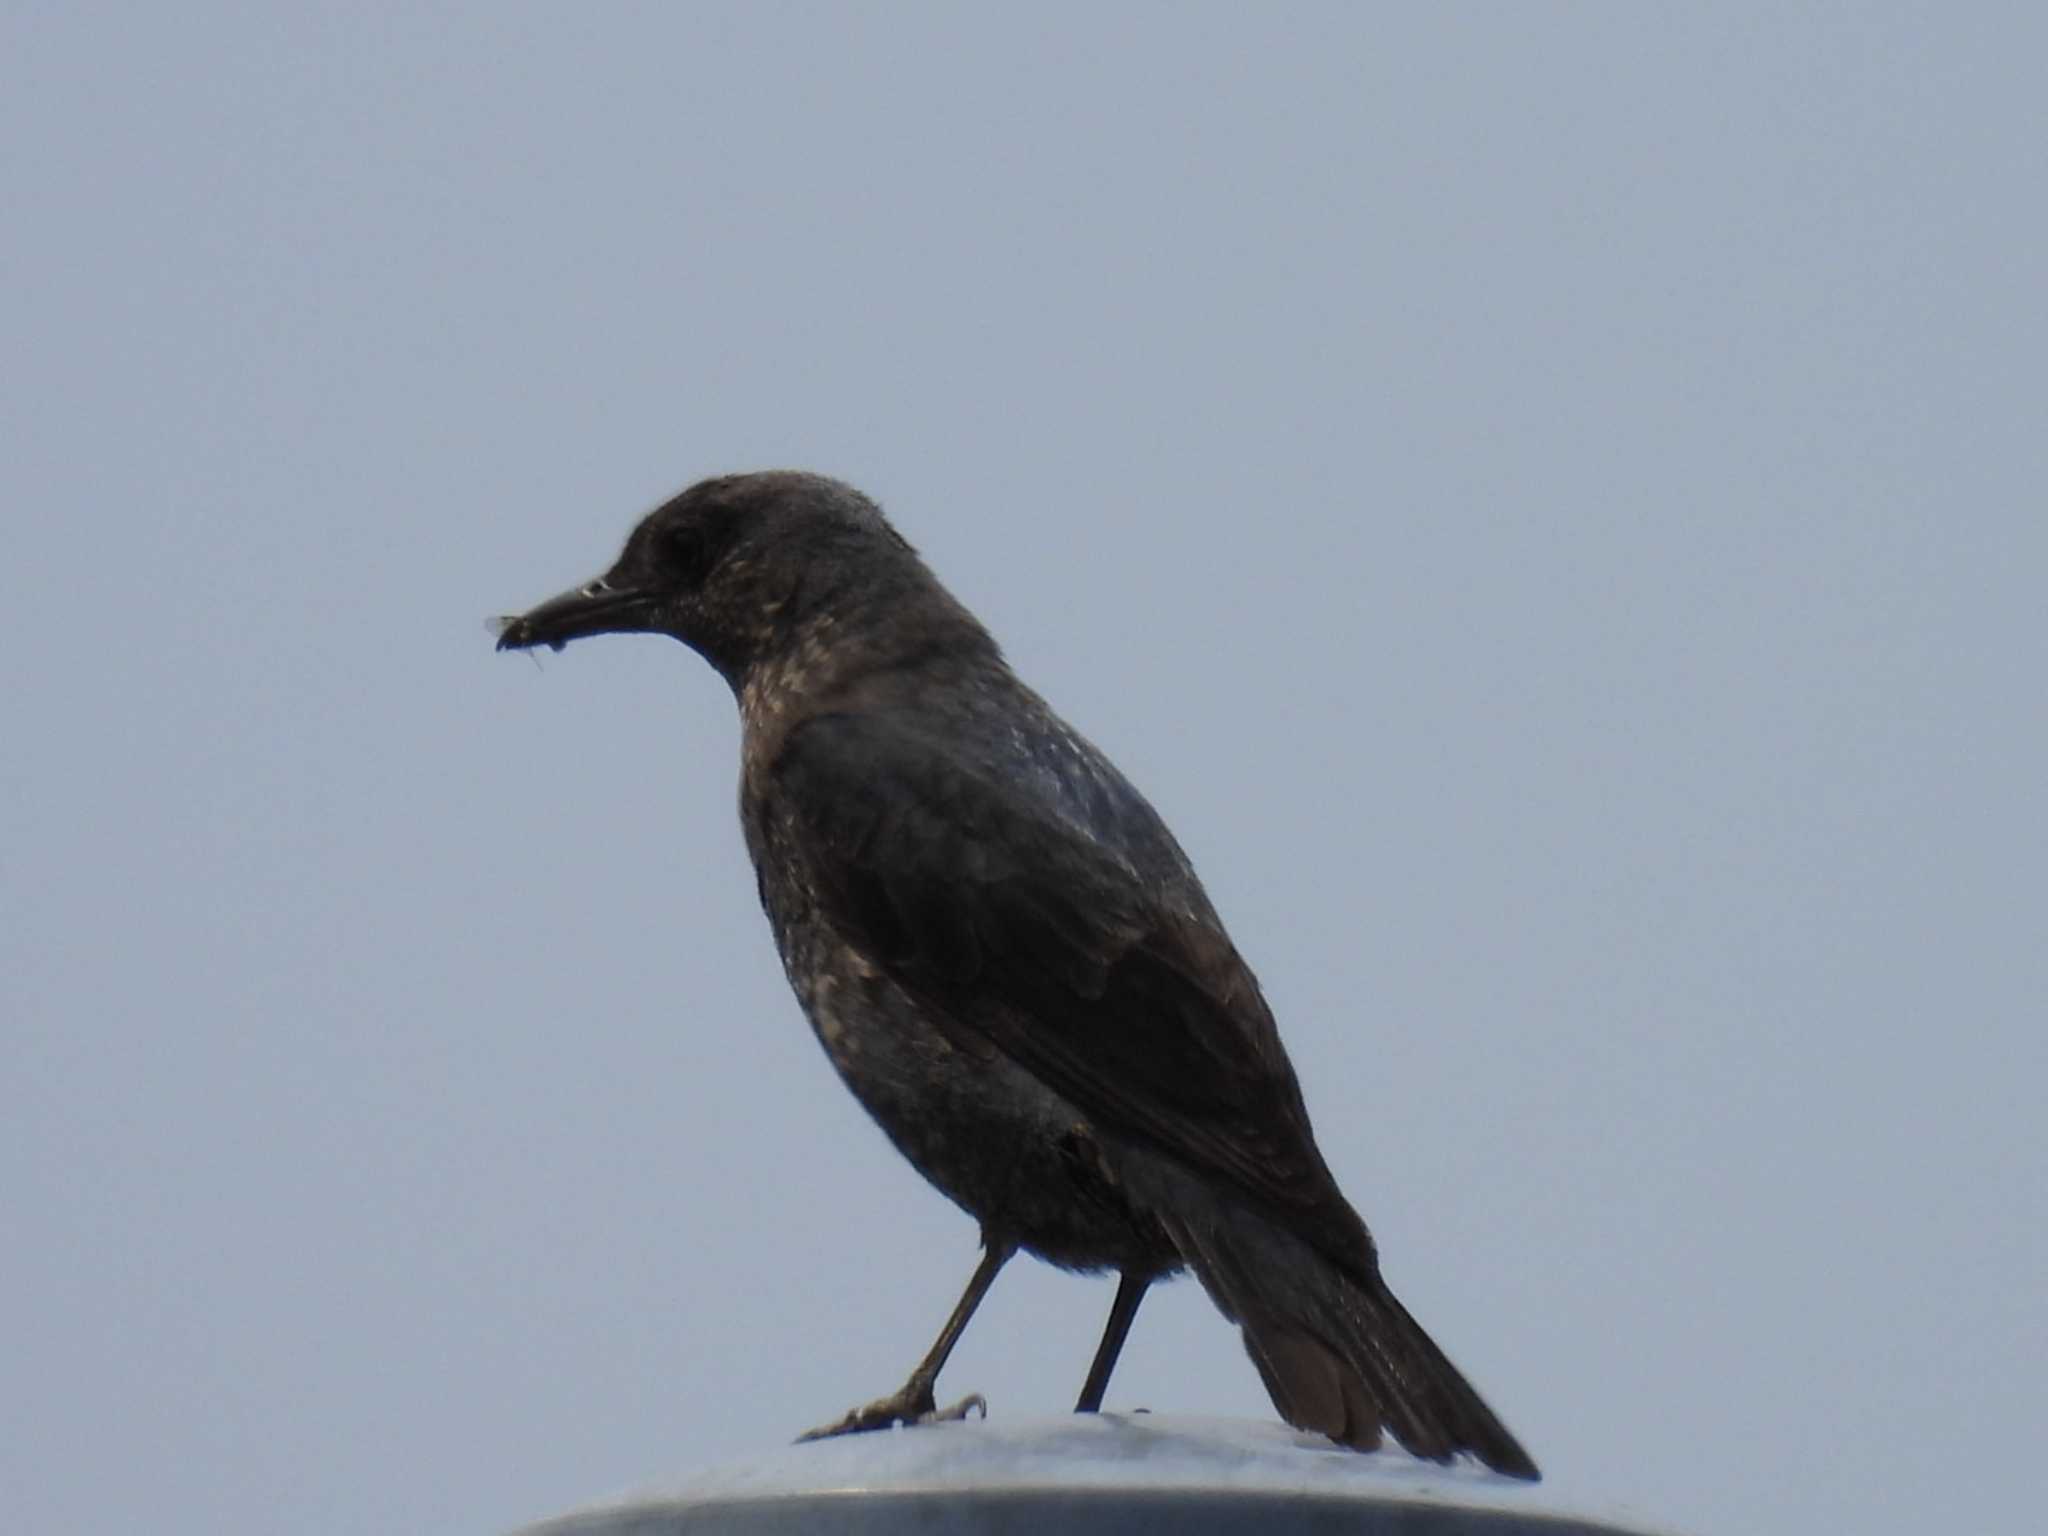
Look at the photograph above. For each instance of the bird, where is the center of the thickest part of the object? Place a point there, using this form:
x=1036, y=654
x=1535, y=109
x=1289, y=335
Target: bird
x=1011, y=962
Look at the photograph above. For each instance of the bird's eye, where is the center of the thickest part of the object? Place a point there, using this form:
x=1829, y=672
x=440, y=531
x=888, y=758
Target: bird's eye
x=686, y=551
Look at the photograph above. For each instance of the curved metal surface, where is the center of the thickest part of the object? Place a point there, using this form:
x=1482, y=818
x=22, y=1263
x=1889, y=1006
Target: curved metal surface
x=1086, y=1474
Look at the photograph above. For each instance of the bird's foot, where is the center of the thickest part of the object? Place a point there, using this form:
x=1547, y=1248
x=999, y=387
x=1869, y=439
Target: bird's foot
x=913, y=1405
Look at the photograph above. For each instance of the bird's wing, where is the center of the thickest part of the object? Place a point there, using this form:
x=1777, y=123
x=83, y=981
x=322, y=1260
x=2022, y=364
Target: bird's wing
x=1011, y=923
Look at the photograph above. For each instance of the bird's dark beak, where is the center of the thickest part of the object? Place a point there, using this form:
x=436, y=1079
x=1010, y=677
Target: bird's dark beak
x=595, y=608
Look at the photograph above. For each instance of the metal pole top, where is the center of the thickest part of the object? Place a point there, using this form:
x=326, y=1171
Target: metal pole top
x=1084, y=1474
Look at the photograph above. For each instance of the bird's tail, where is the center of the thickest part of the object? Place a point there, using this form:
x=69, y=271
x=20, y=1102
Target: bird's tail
x=1338, y=1352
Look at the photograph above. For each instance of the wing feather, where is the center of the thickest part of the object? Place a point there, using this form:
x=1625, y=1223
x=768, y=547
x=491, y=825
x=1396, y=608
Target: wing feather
x=1011, y=922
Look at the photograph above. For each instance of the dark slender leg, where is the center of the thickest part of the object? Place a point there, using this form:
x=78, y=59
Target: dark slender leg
x=914, y=1404
x=992, y=1262
x=1129, y=1292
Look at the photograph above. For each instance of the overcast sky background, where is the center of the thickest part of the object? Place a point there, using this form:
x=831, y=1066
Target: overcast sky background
x=1546, y=500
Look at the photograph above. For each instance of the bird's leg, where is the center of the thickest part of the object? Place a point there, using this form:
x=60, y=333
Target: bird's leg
x=914, y=1404
x=1130, y=1291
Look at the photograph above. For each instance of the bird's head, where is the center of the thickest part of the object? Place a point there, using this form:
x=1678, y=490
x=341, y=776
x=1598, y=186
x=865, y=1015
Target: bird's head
x=731, y=567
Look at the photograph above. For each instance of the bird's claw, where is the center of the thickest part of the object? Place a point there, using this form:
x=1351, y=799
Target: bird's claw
x=957, y=1413
x=908, y=1407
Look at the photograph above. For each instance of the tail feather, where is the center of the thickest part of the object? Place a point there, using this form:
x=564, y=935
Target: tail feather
x=1311, y=1387
x=1337, y=1351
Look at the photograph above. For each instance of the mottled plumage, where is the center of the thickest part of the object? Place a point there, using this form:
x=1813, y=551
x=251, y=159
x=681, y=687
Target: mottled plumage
x=1010, y=960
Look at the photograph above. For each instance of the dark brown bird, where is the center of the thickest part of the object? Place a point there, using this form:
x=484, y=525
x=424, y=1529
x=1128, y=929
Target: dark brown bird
x=1011, y=963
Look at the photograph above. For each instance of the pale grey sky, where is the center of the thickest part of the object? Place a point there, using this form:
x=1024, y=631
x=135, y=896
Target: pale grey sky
x=1547, y=500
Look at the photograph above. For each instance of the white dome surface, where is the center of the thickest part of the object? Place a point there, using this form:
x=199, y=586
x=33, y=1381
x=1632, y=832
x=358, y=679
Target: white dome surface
x=1134, y=1457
